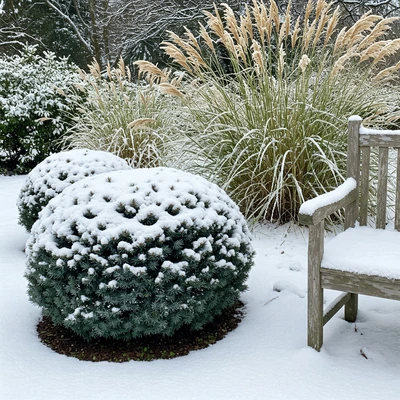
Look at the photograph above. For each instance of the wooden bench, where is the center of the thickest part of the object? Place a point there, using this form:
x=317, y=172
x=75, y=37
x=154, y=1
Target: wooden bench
x=361, y=260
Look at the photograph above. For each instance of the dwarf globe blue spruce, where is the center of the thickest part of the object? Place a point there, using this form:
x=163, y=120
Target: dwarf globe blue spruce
x=141, y=252
x=57, y=172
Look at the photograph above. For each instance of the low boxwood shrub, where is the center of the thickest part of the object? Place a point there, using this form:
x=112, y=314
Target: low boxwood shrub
x=55, y=173
x=140, y=252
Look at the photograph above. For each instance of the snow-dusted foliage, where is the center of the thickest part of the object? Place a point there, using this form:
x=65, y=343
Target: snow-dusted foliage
x=33, y=107
x=140, y=252
x=134, y=121
x=57, y=172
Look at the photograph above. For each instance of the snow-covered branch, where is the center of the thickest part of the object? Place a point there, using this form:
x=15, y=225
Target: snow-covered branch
x=56, y=7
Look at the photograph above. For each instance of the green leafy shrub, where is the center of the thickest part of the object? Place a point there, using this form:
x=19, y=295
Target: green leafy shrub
x=131, y=120
x=141, y=252
x=271, y=128
x=57, y=172
x=33, y=107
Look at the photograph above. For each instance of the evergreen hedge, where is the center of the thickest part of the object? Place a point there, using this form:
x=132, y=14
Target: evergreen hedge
x=36, y=101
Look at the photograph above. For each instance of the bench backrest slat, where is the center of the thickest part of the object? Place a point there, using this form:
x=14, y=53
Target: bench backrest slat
x=382, y=187
x=353, y=168
x=380, y=140
x=359, y=159
x=397, y=207
x=364, y=185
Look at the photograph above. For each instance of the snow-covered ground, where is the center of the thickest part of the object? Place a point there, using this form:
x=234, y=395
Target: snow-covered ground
x=266, y=357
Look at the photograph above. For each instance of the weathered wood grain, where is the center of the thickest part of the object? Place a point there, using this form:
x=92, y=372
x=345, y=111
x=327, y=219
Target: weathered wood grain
x=323, y=212
x=380, y=140
x=364, y=185
x=335, y=306
x=351, y=308
x=382, y=188
x=397, y=205
x=353, y=169
x=370, y=285
x=315, y=291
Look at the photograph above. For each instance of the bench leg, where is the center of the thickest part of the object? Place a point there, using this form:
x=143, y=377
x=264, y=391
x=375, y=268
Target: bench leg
x=315, y=291
x=351, y=308
x=315, y=318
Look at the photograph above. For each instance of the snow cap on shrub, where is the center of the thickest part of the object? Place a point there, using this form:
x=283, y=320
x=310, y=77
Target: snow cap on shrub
x=57, y=172
x=132, y=253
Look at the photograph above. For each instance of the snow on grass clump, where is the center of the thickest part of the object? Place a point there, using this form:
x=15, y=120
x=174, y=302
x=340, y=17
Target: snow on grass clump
x=57, y=172
x=140, y=252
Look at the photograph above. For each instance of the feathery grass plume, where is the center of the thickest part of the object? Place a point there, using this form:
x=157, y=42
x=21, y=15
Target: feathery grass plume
x=392, y=47
x=332, y=24
x=128, y=119
x=295, y=33
x=356, y=33
x=285, y=28
x=257, y=56
x=321, y=8
x=176, y=54
x=274, y=14
x=379, y=30
x=309, y=9
x=323, y=21
x=231, y=23
x=95, y=70
x=272, y=130
x=304, y=61
x=193, y=41
x=387, y=73
x=146, y=68
x=215, y=22
x=339, y=40
x=262, y=20
x=206, y=37
x=170, y=89
x=246, y=24
x=339, y=65
x=309, y=34
x=372, y=50
x=190, y=46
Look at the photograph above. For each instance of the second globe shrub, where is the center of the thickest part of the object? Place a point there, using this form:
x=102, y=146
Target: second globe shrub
x=58, y=171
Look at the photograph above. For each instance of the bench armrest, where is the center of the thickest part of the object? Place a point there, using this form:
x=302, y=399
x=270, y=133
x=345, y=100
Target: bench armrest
x=315, y=210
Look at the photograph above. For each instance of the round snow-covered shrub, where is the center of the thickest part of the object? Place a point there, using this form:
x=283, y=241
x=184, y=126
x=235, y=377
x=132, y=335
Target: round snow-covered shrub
x=141, y=252
x=55, y=173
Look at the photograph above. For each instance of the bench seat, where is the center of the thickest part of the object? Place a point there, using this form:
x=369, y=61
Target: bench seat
x=364, y=250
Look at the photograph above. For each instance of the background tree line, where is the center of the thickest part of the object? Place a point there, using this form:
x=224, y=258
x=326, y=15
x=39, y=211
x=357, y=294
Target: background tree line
x=106, y=30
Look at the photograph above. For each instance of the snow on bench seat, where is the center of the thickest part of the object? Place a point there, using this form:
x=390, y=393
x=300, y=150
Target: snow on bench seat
x=365, y=250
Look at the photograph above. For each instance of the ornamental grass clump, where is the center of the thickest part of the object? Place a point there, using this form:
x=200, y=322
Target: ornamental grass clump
x=142, y=252
x=269, y=99
x=120, y=116
x=55, y=173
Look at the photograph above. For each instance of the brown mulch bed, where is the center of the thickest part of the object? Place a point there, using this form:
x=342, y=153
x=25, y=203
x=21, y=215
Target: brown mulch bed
x=64, y=341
